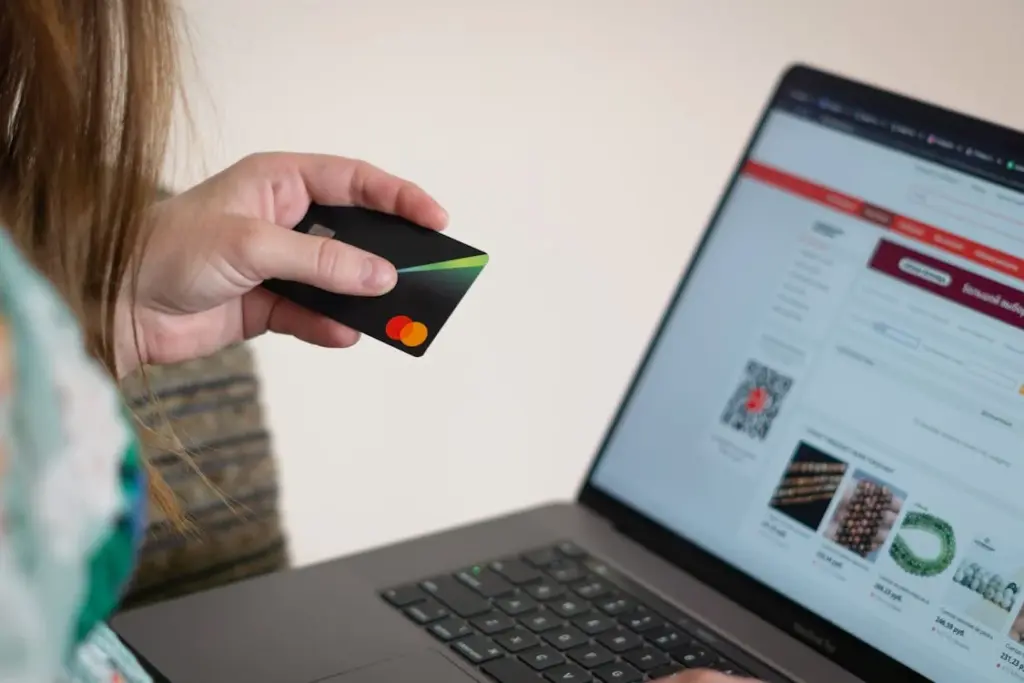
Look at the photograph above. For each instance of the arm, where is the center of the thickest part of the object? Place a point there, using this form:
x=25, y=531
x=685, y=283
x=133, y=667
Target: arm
x=70, y=487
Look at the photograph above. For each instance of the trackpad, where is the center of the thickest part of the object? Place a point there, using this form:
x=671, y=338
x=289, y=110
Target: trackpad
x=424, y=667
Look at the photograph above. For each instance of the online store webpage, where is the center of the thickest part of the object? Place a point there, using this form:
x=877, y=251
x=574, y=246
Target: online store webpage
x=836, y=405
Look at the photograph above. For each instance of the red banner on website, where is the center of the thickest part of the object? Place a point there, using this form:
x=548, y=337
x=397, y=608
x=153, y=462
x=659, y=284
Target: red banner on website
x=926, y=234
x=970, y=290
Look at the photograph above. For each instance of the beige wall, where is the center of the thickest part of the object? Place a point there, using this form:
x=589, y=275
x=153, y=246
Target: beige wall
x=582, y=143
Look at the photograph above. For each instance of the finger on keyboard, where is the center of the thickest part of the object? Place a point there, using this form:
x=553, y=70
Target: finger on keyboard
x=704, y=676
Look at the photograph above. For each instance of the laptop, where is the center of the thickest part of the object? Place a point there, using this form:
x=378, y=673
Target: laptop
x=814, y=475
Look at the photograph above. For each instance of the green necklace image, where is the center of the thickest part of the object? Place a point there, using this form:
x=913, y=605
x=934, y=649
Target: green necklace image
x=910, y=561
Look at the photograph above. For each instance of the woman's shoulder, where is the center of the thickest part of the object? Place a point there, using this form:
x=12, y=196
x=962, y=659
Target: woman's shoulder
x=70, y=477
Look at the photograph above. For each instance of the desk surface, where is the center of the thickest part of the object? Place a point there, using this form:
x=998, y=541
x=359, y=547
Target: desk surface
x=551, y=131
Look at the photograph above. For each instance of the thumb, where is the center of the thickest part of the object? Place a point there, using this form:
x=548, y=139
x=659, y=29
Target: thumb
x=260, y=251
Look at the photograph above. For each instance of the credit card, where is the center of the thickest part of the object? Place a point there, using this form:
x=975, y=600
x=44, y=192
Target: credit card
x=434, y=274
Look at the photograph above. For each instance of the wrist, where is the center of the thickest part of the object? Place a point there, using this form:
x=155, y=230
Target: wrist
x=129, y=346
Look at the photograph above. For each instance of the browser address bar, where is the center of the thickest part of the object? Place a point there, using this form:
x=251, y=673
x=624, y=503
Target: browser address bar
x=970, y=213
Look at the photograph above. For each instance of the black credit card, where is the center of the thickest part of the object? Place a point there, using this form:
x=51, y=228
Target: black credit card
x=434, y=273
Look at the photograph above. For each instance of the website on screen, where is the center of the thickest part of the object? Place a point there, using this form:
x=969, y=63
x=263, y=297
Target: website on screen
x=836, y=404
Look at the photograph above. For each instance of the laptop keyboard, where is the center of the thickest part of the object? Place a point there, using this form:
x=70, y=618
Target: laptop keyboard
x=553, y=616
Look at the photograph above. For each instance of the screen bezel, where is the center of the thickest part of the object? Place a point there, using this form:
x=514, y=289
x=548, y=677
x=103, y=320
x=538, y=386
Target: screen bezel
x=838, y=645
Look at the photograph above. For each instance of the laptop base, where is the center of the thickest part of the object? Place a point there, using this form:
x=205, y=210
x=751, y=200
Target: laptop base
x=331, y=621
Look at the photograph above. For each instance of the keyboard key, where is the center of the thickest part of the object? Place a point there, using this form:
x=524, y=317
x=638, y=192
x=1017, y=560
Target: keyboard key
x=591, y=656
x=427, y=611
x=667, y=638
x=728, y=668
x=404, y=595
x=565, y=637
x=569, y=608
x=517, y=640
x=567, y=673
x=594, y=623
x=670, y=669
x=615, y=605
x=477, y=649
x=542, y=658
x=493, y=622
x=516, y=605
x=592, y=589
x=530, y=619
x=509, y=670
x=618, y=672
x=516, y=571
x=647, y=658
x=597, y=566
x=641, y=619
x=542, y=557
x=540, y=622
x=545, y=590
x=565, y=571
x=450, y=629
x=571, y=550
x=485, y=582
x=457, y=597
x=620, y=640
x=694, y=656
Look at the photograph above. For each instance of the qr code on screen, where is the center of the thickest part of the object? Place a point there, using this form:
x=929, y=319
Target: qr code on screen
x=755, y=404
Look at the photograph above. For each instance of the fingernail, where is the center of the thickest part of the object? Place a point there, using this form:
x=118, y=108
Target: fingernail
x=379, y=276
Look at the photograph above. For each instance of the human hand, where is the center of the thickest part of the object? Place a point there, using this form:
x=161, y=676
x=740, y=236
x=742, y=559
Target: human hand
x=704, y=676
x=1017, y=628
x=212, y=246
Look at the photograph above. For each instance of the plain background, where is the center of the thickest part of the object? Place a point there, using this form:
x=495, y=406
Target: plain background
x=583, y=143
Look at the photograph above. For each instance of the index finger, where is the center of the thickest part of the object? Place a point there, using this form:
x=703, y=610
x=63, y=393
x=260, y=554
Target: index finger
x=338, y=181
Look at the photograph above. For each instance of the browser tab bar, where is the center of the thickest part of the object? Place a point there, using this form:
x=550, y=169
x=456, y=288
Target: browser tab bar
x=908, y=136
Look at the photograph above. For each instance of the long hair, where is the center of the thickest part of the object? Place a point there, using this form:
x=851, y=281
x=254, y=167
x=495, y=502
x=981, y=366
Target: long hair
x=87, y=92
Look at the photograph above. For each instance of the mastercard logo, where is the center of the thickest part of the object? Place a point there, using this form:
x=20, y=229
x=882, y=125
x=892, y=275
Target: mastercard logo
x=404, y=329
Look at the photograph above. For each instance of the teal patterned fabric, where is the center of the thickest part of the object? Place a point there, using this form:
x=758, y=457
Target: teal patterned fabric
x=72, y=493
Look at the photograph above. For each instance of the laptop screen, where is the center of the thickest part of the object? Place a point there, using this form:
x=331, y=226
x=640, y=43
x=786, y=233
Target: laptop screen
x=835, y=405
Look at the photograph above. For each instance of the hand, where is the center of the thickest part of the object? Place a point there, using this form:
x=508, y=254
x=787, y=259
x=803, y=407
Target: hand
x=1017, y=628
x=212, y=246
x=704, y=676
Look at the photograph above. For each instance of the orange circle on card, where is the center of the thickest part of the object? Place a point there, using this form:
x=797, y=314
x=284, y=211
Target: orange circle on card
x=414, y=334
x=395, y=326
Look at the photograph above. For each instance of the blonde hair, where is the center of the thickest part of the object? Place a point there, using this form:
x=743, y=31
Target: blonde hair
x=87, y=91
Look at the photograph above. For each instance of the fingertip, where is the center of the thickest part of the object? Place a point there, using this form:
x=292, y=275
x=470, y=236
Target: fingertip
x=334, y=335
x=442, y=217
x=429, y=213
x=305, y=325
x=421, y=208
x=379, y=276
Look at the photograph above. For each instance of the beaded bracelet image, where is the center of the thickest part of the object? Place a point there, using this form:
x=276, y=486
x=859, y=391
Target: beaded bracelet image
x=987, y=587
x=808, y=486
x=865, y=515
x=924, y=545
x=989, y=584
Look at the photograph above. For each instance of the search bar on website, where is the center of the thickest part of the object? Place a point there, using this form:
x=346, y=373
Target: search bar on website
x=969, y=212
x=933, y=353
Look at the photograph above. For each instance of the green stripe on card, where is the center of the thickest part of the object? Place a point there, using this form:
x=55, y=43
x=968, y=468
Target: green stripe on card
x=467, y=262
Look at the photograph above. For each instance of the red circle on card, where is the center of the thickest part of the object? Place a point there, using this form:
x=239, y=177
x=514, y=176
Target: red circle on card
x=395, y=326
